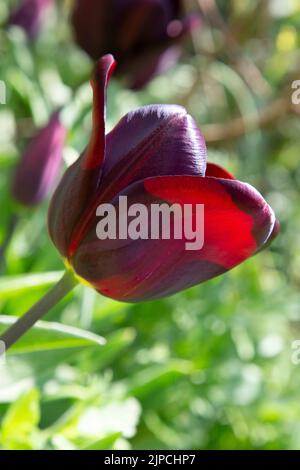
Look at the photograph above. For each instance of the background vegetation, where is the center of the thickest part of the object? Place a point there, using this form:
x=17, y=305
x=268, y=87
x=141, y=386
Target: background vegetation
x=210, y=368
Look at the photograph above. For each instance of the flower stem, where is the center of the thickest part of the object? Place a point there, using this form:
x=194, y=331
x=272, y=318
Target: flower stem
x=35, y=313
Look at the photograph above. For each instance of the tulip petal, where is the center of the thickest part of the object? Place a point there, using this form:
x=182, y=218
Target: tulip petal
x=121, y=27
x=81, y=181
x=162, y=55
x=237, y=222
x=38, y=169
x=29, y=16
x=95, y=153
x=68, y=202
x=143, y=35
x=151, y=141
x=212, y=169
x=155, y=140
x=143, y=22
x=274, y=234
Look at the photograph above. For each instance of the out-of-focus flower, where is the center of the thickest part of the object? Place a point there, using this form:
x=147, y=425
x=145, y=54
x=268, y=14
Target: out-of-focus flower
x=144, y=35
x=29, y=15
x=154, y=155
x=37, y=172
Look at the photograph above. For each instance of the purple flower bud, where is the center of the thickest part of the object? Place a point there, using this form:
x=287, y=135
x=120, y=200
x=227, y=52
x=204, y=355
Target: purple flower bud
x=38, y=168
x=29, y=16
x=143, y=35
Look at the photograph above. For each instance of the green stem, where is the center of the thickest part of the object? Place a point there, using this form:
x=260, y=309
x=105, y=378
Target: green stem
x=35, y=313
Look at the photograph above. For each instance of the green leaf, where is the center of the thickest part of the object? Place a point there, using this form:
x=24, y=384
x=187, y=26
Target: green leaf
x=148, y=381
x=20, y=421
x=50, y=336
x=12, y=286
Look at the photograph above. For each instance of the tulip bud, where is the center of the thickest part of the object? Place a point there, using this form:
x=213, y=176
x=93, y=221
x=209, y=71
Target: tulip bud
x=38, y=168
x=154, y=155
x=144, y=35
x=29, y=16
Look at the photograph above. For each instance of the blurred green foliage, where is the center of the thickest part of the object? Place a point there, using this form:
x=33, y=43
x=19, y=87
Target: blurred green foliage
x=210, y=368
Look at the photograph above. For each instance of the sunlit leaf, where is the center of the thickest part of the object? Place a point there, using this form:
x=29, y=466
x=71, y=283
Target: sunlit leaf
x=50, y=336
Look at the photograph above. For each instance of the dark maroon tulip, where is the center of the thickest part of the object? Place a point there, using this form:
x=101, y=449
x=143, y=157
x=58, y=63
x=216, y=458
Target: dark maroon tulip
x=154, y=154
x=37, y=172
x=29, y=16
x=144, y=35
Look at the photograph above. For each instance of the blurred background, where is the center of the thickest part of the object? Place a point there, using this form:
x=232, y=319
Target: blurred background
x=215, y=367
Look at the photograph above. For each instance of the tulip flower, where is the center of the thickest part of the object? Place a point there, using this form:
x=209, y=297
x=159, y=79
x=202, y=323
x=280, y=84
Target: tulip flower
x=29, y=16
x=144, y=35
x=156, y=153
x=37, y=171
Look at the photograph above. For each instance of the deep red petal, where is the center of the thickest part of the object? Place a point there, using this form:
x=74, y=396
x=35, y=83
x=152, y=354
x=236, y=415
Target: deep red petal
x=95, y=153
x=237, y=222
x=212, y=169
